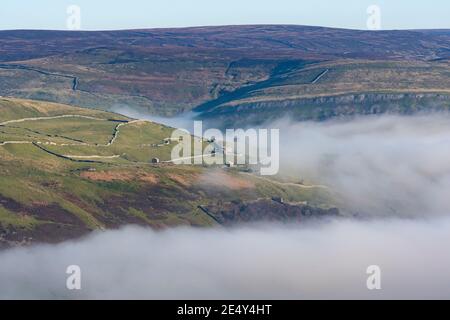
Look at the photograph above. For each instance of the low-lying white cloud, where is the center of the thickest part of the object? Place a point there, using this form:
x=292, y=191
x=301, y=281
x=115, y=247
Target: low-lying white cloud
x=388, y=165
x=271, y=262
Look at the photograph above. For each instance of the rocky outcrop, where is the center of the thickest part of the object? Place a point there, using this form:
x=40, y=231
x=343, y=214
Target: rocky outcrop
x=327, y=107
x=265, y=210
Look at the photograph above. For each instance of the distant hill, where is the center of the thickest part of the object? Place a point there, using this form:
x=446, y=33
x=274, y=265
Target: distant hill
x=304, y=70
x=255, y=41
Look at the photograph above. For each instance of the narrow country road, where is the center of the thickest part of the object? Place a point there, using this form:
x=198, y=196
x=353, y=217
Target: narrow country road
x=51, y=118
x=14, y=142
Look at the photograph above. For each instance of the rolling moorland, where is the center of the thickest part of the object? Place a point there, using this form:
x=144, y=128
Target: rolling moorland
x=66, y=171
x=70, y=165
x=237, y=75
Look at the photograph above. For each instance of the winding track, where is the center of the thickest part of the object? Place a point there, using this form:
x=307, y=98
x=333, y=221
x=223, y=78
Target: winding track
x=14, y=142
x=320, y=76
x=51, y=118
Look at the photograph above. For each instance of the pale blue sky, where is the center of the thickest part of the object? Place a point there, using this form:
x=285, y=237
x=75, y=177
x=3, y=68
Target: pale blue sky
x=114, y=14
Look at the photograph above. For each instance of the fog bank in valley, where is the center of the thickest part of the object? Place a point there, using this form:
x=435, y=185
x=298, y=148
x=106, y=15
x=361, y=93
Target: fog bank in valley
x=380, y=166
x=325, y=261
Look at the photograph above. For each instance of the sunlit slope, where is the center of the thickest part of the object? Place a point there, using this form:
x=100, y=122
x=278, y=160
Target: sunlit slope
x=67, y=171
x=71, y=131
x=12, y=109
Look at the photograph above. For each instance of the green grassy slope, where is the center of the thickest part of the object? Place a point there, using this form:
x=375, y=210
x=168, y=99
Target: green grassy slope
x=60, y=179
x=12, y=108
